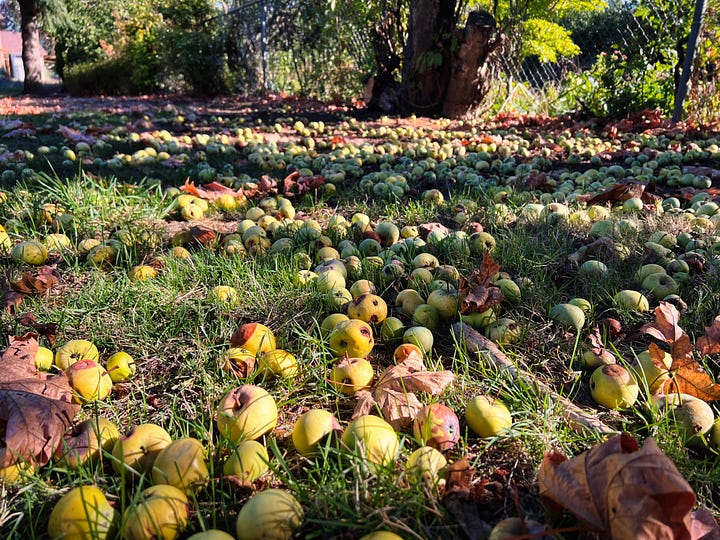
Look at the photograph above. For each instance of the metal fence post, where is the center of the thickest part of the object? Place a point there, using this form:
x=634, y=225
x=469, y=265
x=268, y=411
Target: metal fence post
x=681, y=90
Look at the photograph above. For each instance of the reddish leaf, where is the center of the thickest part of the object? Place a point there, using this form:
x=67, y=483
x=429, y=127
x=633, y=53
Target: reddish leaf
x=597, y=347
x=710, y=342
x=618, y=193
x=622, y=492
x=688, y=377
x=665, y=328
x=44, y=280
x=477, y=292
x=294, y=184
x=427, y=228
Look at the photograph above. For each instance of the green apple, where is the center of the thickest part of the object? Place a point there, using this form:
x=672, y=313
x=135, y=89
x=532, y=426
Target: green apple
x=646, y=270
x=631, y=300
x=392, y=329
x=120, y=366
x=479, y=321
x=660, y=285
x=427, y=316
x=426, y=260
x=645, y=370
x=593, y=268
x=481, y=242
x=408, y=300
x=362, y=286
x=510, y=290
x=503, y=331
x=569, y=315
x=613, y=386
x=487, y=416
x=445, y=302
x=388, y=232
x=338, y=299
x=420, y=336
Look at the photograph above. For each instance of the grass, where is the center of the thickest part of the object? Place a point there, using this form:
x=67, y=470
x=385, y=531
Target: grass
x=178, y=335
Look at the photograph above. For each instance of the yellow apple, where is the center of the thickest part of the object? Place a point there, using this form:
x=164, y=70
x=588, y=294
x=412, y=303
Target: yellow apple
x=82, y=513
x=312, y=428
x=271, y=514
x=254, y=337
x=373, y=438
x=74, y=351
x=246, y=413
x=182, y=465
x=160, y=511
x=278, y=363
x=136, y=452
x=89, y=381
x=613, y=386
x=120, y=366
x=487, y=416
x=249, y=461
x=353, y=338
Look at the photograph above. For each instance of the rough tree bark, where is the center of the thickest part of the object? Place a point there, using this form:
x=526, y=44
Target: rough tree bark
x=31, y=50
x=447, y=70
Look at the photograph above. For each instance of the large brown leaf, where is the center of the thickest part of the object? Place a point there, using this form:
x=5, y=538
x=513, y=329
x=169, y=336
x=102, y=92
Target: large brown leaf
x=35, y=411
x=44, y=280
x=686, y=375
x=394, y=392
x=623, y=492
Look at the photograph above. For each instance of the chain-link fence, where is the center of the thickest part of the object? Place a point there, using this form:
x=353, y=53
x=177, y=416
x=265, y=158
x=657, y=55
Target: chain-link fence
x=631, y=57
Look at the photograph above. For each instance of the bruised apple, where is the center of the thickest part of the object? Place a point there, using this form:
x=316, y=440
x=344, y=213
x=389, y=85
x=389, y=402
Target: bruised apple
x=613, y=386
x=353, y=338
x=89, y=381
x=368, y=307
x=254, y=337
x=436, y=425
x=85, y=443
x=246, y=413
x=239, y=361
x=351, y=375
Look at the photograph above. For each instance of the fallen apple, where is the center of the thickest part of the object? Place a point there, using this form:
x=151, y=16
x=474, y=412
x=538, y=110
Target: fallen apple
x=631, y=300
x=248, y=461
x=254, y=337
x=272, y=514
x=74, y=351
x=211, y=534
x=487, y=416
x=312, y=428
x=353, y=338
x=278, y=363
x=372, y=438
x=515, y=527
x=426, y=464
x=89, y=381
x=86, y=442
x=569, y=315
x=44, y=359
x=392, y=329
x=120, y=366
x=136, y=452
x=182, y=465
x=613, y=386
x=645, y=370
x=436, y=425
x=367, y=307
x=82, y=513
x=246, y=413
x=419, y=336
x=350, y=375
x=239, y=361
x=160, y=511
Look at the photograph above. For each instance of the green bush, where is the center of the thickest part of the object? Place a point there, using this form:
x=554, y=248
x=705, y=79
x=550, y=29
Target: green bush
x=112, y=76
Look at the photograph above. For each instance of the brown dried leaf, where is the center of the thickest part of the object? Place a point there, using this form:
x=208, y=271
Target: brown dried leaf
x=710, y=342
x=35, y=411
x=294, y=184
x=12, y=300
x=427, y=228
x=45, y=279
x=18, y=360
x=598, y=348
x=618, y=193
x=477, y=292
x=394, y=391
x=48, y=330
x=202, y=235
x=622, y=492
x=459, y=500
x=665, y=328
x=688, y=377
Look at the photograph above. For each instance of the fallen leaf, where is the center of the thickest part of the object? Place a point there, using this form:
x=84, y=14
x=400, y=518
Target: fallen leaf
x=35, y=411
x=621, y=491
x=44, y=280
x=598, y=348
x=294, y=184
x=459, y=501
x=48, y=330
x=393, y=392
x=618, y=193
x=477, y=292
x=11, y=300
x=710, y=342
x=686, y=375
x=426, y=228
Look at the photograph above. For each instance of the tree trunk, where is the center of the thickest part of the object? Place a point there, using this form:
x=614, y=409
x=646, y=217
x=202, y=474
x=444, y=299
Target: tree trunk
x=472, y=68
x=31, y=49
x=447, y=71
